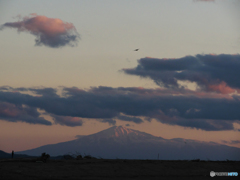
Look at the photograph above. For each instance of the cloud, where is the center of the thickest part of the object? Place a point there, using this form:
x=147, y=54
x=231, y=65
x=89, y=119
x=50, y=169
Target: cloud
x=130, y=119
x=110, y=121
x=51, y=32
x=14, y=113
x=67, y=120
x=106, y=104
x=212, y=73
x=231, y=142
x=46, y=92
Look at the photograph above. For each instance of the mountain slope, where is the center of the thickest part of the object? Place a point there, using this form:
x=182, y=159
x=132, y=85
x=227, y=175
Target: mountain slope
x=4, y=155
x=124, y=143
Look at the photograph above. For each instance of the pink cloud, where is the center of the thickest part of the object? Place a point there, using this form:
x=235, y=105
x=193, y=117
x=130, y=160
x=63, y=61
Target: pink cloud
x=50, y=32
x=221, y=88
x=67, y=120
x=14, y=113
x=9, y=110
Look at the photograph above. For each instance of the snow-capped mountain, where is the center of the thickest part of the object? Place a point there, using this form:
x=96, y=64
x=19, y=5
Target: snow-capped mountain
x=123, y=143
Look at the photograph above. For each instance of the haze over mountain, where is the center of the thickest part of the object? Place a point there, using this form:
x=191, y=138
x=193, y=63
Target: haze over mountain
x=121, y=142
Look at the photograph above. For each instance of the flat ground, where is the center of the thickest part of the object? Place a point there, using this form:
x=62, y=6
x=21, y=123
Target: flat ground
x=29, y=169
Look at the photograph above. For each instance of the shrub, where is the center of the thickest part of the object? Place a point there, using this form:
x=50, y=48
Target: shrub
x=68, y=157
x=79, y=157
x=44, y=157
x=89, y=157
x=195, y=160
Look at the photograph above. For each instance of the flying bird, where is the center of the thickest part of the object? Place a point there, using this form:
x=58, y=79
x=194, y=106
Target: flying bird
x=136, y=49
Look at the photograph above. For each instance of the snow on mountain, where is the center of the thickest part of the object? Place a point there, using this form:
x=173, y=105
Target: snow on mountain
x=121, y=142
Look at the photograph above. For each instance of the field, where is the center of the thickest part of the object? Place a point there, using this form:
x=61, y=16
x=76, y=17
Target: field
x=30, y=169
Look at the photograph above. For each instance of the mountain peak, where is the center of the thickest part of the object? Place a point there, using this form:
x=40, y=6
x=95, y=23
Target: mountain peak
x=122, y=131
x=116, y=132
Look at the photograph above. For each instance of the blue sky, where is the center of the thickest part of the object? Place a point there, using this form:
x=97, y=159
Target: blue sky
x=109, y=32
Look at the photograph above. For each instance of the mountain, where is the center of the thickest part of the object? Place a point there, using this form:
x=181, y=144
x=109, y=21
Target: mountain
x=123, y=143
x=4, y=155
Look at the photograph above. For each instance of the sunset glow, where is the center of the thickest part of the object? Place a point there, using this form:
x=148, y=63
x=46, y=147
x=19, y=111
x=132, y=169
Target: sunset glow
x=74, y=68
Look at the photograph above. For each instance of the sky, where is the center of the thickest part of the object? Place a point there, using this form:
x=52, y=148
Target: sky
x=70, y=68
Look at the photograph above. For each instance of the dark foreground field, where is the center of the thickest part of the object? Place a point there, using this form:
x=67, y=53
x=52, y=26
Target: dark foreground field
x=113, y=169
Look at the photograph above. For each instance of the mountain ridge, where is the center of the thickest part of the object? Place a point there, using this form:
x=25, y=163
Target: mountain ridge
x=125, y=143
x=119, y=131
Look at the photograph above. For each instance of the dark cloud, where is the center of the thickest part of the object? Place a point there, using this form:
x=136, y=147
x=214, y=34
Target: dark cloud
x=67, y=120
x=128, y=104
x=49, y=32
x=212, y=73
x=14, y=113
x=111, y=122
x=2, y=88
x=37, y=91
x=43, y=92
x=130, y=119
x=235, y=142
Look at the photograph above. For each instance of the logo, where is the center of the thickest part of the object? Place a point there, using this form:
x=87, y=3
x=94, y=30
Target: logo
x=212, y=173
x=232, y=174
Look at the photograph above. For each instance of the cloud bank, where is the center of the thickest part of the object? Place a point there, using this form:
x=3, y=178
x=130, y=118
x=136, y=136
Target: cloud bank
x=14, y=113
x=107, y=104
x=213, y=106
x=212, y=73
x=51, y=32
